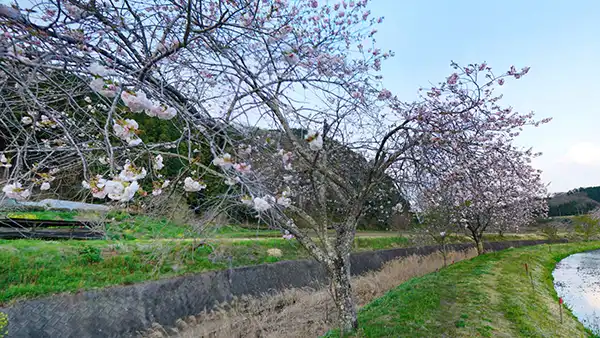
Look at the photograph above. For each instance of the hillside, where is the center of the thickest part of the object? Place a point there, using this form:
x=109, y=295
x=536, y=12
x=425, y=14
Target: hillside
x=341, y=158
x=574, y=202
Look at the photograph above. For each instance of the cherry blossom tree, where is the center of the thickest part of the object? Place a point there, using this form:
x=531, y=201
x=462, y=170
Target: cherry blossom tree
x=437, y=216
x=81, y=79
x=496, y=188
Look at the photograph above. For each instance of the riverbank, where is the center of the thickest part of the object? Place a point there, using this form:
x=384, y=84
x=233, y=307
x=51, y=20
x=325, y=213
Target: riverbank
x=488, y=296
x=36, y=268
x=125, y=310
x=284, y=313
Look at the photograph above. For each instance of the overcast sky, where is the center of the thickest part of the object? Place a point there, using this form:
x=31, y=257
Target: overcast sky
x=559, y=40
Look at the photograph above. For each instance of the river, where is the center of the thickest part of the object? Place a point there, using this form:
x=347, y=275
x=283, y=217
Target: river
x=577, y=281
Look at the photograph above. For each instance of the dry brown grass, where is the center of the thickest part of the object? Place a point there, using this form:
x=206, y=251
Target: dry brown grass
x=299, y=312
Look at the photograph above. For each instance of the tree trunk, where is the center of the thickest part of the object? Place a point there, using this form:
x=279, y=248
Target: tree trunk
x=342, y=294
x=479, y=244
x=444, y=252
x=477, y=236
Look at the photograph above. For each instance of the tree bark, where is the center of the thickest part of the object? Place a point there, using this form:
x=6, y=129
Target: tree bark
x=479, y=244
x=477, y=235
x=342, y=294
x=445, y=254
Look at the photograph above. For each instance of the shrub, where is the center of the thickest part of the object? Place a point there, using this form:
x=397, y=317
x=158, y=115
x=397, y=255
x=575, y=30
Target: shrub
x=3, y=324
x=586, y=226
x=550, y=230
x=91, y=254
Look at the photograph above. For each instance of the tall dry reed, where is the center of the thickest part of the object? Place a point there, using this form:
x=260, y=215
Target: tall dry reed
x=299, y=312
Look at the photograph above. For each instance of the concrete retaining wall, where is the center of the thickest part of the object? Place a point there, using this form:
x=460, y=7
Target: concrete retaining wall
x=124, y=310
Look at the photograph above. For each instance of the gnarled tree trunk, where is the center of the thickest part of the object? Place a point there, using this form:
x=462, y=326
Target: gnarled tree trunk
x=339, y=272
x=477, y=235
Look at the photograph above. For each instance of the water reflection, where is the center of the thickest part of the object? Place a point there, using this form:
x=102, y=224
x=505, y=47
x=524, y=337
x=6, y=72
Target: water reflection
x=577, y=281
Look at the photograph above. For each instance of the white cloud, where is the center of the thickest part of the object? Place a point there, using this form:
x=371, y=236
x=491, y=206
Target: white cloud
x=583, y=153
x=569, y=166
x=566, y=176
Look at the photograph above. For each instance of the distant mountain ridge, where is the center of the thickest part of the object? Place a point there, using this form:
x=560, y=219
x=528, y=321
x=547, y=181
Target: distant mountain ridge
x=574, y=202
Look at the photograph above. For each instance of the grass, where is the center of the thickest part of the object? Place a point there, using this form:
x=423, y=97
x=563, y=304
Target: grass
x=512, y=237
x=488, y=296
x=33, y=268
x=284, y=314
x=141, y=248
x=123, y=226
x=236, y=231
x=380, y=243
x=494, y=237
x=46, y=215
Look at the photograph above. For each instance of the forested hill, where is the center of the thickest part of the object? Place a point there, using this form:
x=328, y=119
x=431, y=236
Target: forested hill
x=574, y=202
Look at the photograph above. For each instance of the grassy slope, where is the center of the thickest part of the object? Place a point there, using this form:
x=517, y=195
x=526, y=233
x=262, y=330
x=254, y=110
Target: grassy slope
x=488, y=296
x=144, y=248
x=30, y=268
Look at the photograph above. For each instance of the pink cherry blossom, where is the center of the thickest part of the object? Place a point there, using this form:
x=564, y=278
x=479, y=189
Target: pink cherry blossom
x=452, y=79
x=137, y=102
x=225, y=161
x=242, y=168
x=384, y=94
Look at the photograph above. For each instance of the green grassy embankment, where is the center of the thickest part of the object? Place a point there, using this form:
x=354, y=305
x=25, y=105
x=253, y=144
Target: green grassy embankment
x=488, y=296
x=31, y=268
x=141, y=248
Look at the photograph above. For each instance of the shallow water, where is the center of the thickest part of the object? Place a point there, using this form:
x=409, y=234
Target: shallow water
x=577, y=281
